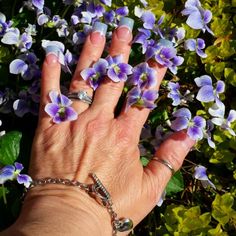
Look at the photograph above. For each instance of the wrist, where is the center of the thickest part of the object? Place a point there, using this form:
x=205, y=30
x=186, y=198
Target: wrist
x=62, y=210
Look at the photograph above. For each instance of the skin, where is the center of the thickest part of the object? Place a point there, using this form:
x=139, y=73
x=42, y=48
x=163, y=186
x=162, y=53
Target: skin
x=97, y=142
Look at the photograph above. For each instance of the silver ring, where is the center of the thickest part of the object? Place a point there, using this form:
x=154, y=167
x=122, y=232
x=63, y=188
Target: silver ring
x=166, y=163
x=80, y=95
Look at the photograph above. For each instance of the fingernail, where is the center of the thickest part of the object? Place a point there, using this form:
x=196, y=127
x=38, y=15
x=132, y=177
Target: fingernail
x=52, y=54
x=125, y=28
x=99, y=31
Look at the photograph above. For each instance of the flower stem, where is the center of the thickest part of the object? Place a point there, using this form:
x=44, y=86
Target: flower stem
x=4, y=195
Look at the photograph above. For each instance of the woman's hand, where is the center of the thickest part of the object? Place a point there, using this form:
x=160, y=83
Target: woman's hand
x=97, y=142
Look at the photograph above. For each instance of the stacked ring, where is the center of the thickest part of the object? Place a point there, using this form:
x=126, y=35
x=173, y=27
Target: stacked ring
x=80, y=95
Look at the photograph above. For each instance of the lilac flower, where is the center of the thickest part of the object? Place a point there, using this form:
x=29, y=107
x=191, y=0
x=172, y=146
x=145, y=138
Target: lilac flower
x=4, y=25
x=42, y=18
x=198, y=18
x=218, y=113
x=95, y=75
x=200, y=174
x=117, y=70
x=12, y=172
x=165, y=55
x=60, y=108
x=38, y=4
x=207, y=134
x=174, y=93
x=106, y=2
x=25, y=104
x=196, y=45
x=162, y=199
x=141, y=98
x=148, y=19
x=13, y=37
x=144, y=2
x=18, y=66
x=143, y=38
x=26, y=66
x=176, y=96
x=195, y=127
x=144, y=76
x=207, y=93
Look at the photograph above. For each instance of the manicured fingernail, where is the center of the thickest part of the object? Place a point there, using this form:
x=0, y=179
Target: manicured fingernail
x=99, y=31
x=52, y=54
x=125, y=28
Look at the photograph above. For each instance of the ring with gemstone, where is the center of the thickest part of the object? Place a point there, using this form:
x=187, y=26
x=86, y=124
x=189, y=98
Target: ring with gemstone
x=80, y=95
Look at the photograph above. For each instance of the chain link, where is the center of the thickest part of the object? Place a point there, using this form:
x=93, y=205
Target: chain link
x=96, y=190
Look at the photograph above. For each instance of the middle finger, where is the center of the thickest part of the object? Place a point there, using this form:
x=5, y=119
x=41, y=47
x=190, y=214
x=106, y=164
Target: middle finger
x=109, y=92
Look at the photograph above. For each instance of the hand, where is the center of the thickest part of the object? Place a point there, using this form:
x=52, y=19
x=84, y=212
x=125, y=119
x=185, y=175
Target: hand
x=97, y=142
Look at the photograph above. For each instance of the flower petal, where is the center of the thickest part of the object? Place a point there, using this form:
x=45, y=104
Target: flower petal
x=183, y=112
x=195, y=133
x=206, y=94
x=24, y=179
x=51, y=109
x=203, y=80
x=179, y=123
x=220, y=86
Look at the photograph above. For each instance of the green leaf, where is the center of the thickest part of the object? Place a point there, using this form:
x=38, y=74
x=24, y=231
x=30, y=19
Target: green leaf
x=9, y=147
x=176, y=184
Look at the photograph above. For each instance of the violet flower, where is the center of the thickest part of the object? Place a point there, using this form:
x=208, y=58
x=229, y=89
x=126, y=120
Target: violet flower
x=95, y=75
x=198, y=18
x=165, y=55
x=144, y=76
x=195, y=127
x=117, y=70
x=174, y=93
x=207, y=93
x=196, y=45
x=207, y=134
x=13, y=37
x=13, y=172
x=4, y=25
x=200, y=174
x=218, y=113
x=141, y=98
x=106, y=2
x=38, y=4
x=60, y=108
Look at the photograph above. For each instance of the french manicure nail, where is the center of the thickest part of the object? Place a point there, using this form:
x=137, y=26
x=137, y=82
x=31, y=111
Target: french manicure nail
x=99, y=31
x=52, y=54
x=125, y=28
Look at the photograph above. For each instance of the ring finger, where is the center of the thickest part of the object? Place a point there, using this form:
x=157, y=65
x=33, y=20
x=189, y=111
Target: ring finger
x=91, y=52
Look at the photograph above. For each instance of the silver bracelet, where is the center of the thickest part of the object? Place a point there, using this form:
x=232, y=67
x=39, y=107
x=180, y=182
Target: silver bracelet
x=98, y=192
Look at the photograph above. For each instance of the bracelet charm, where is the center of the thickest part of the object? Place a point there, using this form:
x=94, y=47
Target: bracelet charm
x=98, y=192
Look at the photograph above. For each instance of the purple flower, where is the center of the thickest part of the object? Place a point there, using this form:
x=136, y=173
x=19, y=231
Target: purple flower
x=195, y=127
x=207, y=93
x=207, y=134
x=143, y=76
x=106, y=2
x=13, y=37
x=95, y=75
x=148, y=19
x=196, y=45
x=42, y=18
x=218, y=113
x=117, y=70
x=12, y=172
x=165, y=55
x=174, y=93
x=200, y=174
x=60, y=108
x=198, y=18
x=141, y=98
x=38, y=4
x=142, y=38
x=4, y=25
